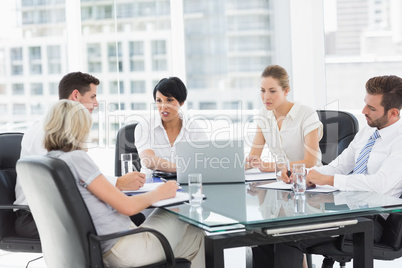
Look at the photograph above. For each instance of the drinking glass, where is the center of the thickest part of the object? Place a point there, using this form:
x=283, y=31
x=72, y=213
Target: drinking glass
x=195, y=189
x=126, y=163
x=299, y=178
x=300, y=204
x=281, y=165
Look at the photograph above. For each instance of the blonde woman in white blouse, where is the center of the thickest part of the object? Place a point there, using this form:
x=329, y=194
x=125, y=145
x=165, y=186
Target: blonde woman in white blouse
x=287, y=128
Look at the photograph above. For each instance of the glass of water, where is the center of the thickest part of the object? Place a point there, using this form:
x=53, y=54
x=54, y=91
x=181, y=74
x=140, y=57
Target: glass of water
x=299, y=178
x=126, y=163
x=281, y=165
x=195, y=189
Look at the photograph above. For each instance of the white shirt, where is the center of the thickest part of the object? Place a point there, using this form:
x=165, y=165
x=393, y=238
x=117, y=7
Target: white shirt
x=382, y=175
x=150, y=134
x=32, y=144
x=289, y=140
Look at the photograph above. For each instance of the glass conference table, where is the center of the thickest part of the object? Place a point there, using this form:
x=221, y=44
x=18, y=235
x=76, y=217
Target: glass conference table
x=236, y=215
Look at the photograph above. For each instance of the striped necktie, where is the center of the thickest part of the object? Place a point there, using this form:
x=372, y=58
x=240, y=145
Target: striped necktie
x=361, y=162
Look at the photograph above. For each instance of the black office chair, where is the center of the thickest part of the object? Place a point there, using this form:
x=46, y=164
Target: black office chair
x=68, y=236
x=10, y=148
x=125, y=144
x=341, y=250
x=340, y=129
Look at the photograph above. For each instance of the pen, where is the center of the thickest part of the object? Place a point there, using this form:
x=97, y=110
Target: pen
x=134, y=168
x=165, y=180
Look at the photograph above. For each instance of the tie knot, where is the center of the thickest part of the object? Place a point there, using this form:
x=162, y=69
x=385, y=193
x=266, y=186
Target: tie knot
x=375, y=135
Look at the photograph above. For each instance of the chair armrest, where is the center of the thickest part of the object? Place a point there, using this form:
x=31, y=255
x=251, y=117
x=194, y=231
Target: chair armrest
x=15, y=207
x=162, y=239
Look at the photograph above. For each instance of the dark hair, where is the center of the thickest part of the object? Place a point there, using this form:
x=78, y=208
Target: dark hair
x=172, y=87
x=277, y=72
x=390, y=86
x=76, y=80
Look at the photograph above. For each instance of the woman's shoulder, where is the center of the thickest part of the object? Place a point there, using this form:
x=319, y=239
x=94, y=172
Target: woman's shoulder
x=300, y=107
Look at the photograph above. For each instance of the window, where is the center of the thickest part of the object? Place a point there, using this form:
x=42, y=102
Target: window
x=53, y=56
x=37, y=108
x=34, y=53
x=94, y=58
x=137, y=86
x=114, y=87
x=115, y=59
x=17, y=70
x=104, y=12
x=53, y=88
x=359, y=44
x=19, y=109
x=138, y=106
x=159, y=61
x=207, y=105
x=3, y=108
x=16, y=54
x=18, y=89
x=35, y=60
x=232, y=105
x=36, y=89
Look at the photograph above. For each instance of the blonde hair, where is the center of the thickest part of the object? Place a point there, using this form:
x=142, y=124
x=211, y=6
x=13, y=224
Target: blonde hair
x=277, y=72
x=67, y=126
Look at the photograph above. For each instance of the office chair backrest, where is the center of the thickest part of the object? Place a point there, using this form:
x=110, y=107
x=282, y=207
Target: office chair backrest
x=10, y=148
x=125, y=144
x=59, y=211
x=340, y=129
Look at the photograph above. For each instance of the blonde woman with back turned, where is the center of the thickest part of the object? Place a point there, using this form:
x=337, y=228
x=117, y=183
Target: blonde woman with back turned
x=66, y=130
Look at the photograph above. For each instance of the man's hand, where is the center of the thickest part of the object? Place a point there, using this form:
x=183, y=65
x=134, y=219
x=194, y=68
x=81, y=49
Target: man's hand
x=314, y=178
x=131, y=181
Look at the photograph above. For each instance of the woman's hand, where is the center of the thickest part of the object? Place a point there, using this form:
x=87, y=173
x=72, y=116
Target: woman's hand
x=253, y=161
x=131, y=181
x=167, y=190
x=285, y=176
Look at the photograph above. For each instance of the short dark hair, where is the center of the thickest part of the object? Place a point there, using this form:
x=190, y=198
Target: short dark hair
x=390, y=86
x=76, y=80
x=172, y=87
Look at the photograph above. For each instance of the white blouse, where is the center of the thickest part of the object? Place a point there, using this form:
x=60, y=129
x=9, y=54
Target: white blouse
x=289, y=140
x=150, y=134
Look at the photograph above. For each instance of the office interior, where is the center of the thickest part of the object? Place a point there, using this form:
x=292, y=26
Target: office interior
x=219, y=48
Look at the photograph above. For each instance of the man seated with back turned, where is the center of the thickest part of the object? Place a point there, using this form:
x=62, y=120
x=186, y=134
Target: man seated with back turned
x=368, y=164
x=79, y=87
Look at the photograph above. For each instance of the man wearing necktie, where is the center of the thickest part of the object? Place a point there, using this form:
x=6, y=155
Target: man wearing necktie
x=370, y=163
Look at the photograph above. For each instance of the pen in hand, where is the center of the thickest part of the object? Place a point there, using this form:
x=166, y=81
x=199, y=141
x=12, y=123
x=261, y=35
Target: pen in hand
x=165, y=180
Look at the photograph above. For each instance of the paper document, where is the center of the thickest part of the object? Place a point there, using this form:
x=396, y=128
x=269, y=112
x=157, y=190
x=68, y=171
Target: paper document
x=146, y=188
x=255, y=174
x=179, y=198
x=280, y=185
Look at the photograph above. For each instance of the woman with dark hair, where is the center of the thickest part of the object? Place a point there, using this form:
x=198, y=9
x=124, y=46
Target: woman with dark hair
x=156, y=139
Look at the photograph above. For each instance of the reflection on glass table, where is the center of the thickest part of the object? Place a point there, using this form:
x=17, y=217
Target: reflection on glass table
x=234, y=206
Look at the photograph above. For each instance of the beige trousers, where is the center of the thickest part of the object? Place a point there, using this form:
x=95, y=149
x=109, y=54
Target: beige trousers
x=186, y=241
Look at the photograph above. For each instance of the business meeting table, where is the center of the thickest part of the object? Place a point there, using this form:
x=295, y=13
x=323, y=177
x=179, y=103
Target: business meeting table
x=237, y=215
